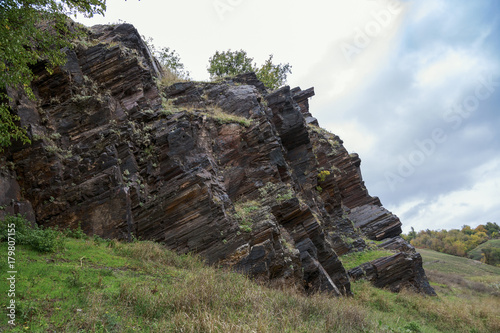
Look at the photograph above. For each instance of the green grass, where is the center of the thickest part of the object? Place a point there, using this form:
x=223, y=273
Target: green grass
x=476, y=253
x=226, y=118
x=93, y=285
x=464, y=267
x=355, y=259
x=461, y=277
x=244, y=213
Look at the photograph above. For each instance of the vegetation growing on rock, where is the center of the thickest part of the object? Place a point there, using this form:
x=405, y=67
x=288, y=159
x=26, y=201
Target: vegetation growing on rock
x=231, y=63
x=33, y=33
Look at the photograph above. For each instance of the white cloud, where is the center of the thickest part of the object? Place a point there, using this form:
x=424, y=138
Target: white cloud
x=431, y=8
x=472, y=205
x=450, y=65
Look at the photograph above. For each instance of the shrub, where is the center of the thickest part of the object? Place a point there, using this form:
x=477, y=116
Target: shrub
x=244, y=214
x=172, y=67
x=75, y=233
x=322, y=175
x=273, y=76
x=39, y=238
x=230, y=63
x=285, y=196
x=491, y=255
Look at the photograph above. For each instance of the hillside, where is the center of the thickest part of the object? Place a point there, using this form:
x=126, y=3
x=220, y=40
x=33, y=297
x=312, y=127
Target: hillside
x=450, y=274
x=97, y=285
x=476, y=253
x=233, y=172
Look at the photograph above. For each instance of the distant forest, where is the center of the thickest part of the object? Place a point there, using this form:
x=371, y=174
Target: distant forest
x=461, y=242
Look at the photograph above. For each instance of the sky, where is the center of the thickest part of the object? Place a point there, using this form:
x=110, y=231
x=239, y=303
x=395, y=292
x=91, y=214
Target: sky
x=412, y=86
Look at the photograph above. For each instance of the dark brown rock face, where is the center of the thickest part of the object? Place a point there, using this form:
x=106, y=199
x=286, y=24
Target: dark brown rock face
x=240, y=175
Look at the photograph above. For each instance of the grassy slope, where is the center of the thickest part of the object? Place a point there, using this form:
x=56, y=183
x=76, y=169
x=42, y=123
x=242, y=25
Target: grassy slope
x=463, y=279
x=476, y=253
x=355, y=259
x=460, y=268
x=97, y=286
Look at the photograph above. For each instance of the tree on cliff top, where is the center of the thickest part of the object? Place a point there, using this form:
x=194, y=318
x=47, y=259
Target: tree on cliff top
x=172, y=67
x=229, y=63
x=33, y=31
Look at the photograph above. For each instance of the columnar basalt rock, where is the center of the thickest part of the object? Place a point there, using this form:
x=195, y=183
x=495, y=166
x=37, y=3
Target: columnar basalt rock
x=240, y=175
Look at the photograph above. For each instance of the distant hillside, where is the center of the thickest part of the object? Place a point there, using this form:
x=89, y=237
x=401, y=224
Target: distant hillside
x=476, y=253
x=456, y=276
x=456, y=242
x=467, y=268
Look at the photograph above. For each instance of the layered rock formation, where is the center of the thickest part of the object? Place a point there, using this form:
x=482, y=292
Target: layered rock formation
x=240, y=175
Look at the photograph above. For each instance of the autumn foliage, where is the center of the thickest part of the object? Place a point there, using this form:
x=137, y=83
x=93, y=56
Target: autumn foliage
x=456, y=242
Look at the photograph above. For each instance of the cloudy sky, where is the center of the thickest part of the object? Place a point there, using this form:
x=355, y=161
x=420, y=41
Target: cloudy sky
x=412, y=86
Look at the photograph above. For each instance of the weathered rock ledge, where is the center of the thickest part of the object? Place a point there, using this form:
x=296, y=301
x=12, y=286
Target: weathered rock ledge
x=240, y=175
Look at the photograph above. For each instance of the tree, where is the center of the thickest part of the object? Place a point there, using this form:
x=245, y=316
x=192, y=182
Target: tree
x=33, y=31
x=273, y=76
x=492, y=229
x=491, y=255
x=411, y=235
x=230, y=63
x=173, y=68
x=172, y=61
x=467, y=230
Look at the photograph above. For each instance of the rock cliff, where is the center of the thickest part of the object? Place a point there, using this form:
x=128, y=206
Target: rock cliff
x=240, y=175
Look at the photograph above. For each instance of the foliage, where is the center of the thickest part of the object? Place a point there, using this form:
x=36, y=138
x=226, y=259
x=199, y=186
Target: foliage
x=492, y=229
x=455, y=242
x=173, y=68
x=273, y=76
x=491, y=255
x=411, y=235
x=40, y=239
x=75, y=233
x=230, y=63
x=477, y=253
x=245, y=213
x=284, y=196
x=322, y=175
x=31, y=32
x=170, y=59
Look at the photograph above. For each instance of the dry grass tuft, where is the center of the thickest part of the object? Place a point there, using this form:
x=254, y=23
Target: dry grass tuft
x=169, y=77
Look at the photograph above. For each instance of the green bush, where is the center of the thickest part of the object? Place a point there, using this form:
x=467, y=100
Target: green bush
x=230, y=63
x=273, y=76
x=39, y=238
x=75, y=233
x=172, y=67
x=34, y=32
x=491, y=255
